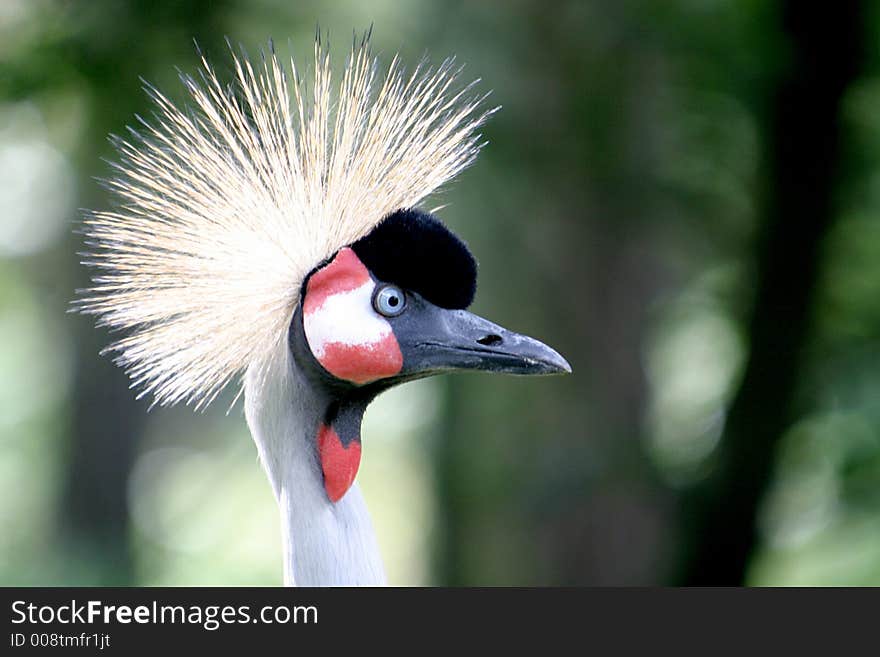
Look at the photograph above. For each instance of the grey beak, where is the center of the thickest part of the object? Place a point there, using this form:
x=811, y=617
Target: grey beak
x=436, y=340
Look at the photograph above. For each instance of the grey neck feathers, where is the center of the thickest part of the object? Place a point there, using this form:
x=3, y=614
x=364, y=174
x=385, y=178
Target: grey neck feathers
x=325, y=543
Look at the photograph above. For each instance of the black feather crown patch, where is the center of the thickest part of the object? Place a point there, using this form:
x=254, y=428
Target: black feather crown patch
x=413, y=249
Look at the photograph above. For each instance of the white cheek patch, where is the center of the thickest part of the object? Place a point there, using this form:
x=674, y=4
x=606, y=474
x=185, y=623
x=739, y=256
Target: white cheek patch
x=345, y=318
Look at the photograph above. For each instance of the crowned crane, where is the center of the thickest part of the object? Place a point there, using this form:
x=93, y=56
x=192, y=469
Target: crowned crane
x=272, y=235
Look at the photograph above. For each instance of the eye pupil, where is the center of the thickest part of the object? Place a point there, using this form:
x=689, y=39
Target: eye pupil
x=393, y=301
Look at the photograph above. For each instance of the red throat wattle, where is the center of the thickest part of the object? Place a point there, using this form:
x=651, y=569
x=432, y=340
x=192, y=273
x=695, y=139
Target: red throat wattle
x=338, y=462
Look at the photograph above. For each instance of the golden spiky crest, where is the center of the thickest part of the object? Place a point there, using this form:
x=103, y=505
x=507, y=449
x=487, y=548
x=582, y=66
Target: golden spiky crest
x=227, y=205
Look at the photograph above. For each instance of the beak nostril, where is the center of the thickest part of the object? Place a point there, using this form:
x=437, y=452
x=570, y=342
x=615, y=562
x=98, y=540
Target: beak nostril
x=490, y=340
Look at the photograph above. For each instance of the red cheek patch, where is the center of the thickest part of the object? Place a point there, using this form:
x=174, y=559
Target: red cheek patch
x=345, y=334
x=345, y=273
x=339, y=463
x=363, y=363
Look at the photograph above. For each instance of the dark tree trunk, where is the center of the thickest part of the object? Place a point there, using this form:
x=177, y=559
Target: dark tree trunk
x=803, y=149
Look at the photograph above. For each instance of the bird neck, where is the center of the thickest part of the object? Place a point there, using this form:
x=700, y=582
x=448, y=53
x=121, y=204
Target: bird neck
x=325, y=543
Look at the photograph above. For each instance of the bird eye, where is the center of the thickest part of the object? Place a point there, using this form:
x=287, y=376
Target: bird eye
x=389, y=301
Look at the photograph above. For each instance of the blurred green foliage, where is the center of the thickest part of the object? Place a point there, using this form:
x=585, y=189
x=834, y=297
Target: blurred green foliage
x=615, y=215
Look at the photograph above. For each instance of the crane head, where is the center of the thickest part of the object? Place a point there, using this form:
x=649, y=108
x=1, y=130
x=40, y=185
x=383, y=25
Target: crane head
x=272, y=221
x=391, y=308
